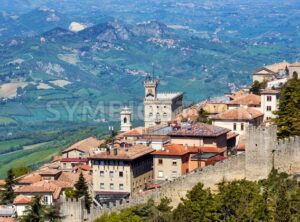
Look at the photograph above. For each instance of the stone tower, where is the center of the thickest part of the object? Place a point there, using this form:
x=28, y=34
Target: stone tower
x=261, y=145
x=150, y=85
x=126, y=119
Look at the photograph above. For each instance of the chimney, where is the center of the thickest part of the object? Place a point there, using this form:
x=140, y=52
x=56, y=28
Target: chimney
x=186, y=147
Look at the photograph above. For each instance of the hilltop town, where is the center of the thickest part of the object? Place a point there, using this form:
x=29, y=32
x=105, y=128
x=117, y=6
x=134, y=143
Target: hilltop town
x=176, y=148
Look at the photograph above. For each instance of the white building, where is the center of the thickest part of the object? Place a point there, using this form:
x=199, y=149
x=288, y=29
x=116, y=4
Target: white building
x=238, y=119
x=160, y=108
x=269, y=103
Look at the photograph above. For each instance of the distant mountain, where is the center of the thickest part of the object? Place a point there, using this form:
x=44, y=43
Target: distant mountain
x=32, y=23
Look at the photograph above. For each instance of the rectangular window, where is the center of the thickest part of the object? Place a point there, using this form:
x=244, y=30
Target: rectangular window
x=121, y=174
x=269, y=98
x=121, y=186
x=242, y=126
x=234, y=126
x=174, y=162
x=174, y=174
x=101, y=173
x=45, y=199
x=102, y=186
x=160, y=174
x=269, y=108
x=111, y=173
x=160, y=161
x=111, y=186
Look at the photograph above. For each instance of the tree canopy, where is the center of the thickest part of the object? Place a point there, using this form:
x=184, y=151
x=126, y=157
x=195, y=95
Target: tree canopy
x=275, y=199
x=288, y=114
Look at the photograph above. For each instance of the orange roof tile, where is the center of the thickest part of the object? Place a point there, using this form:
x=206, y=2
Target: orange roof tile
x=248, y=99
x=124, y=154
x=180, y=150
x=54, y=187
x=85, y=167
x=2, y=182
x=21, y=199
x=8, y=219
x=239, y=113
x=134, y=132
x=85, y=145
x=231, y=135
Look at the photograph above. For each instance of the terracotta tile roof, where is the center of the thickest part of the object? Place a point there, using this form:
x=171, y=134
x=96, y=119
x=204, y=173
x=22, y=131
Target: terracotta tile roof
x=30, y=178
x=231, y=135
x=277, y=66
x=239, y=113
x=200, y=130
x=237, y=94
x=248, y=99
x=2, y=182
x=264, y=71
x=180, y=150
x=8, y=219
x=172, y=150
x=50, y=172
x=72, y=177
x=82, y=160
x=124, y=154
x=85, y=167
x=21, y=199
x=295, y=64
x=85, y=145
x=138, y=131
x=53, y=187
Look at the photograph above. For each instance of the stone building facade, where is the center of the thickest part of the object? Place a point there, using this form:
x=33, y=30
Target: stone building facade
x=160, y=108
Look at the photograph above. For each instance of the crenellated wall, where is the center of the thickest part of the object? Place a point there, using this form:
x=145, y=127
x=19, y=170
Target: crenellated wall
x=263, y=150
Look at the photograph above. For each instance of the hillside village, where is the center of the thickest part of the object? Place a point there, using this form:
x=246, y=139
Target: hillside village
x=173, y=143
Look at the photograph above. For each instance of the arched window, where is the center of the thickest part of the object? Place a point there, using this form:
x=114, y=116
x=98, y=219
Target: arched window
x=125, y=120
x=295, y=75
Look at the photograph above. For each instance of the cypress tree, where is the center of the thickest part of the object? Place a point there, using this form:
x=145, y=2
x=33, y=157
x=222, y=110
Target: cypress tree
x=288, y=120
x=8, y=195
x=83, y=190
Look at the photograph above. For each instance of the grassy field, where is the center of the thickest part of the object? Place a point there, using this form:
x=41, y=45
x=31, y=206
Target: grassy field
x=7, y=121
x=34, y=154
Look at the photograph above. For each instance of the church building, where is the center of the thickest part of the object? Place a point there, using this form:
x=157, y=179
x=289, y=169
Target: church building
x=160, y=108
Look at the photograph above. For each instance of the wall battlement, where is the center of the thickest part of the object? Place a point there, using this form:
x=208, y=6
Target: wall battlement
x=263, y=151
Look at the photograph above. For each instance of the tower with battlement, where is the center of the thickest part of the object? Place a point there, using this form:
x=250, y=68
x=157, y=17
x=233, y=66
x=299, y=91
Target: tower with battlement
x=160, y=108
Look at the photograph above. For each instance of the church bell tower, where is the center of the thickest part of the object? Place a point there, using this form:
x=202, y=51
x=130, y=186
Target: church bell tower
x=126, y=117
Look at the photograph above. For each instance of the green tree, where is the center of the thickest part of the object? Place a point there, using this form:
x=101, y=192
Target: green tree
x=288, y=114
x=8, y=194
x=238, y=200
x=203, y=116
x=255, y=88
x=282, y=210
x=22, y=170
x=36, y=211
x=82, y=190
x=52, y=213
x=199, y=205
